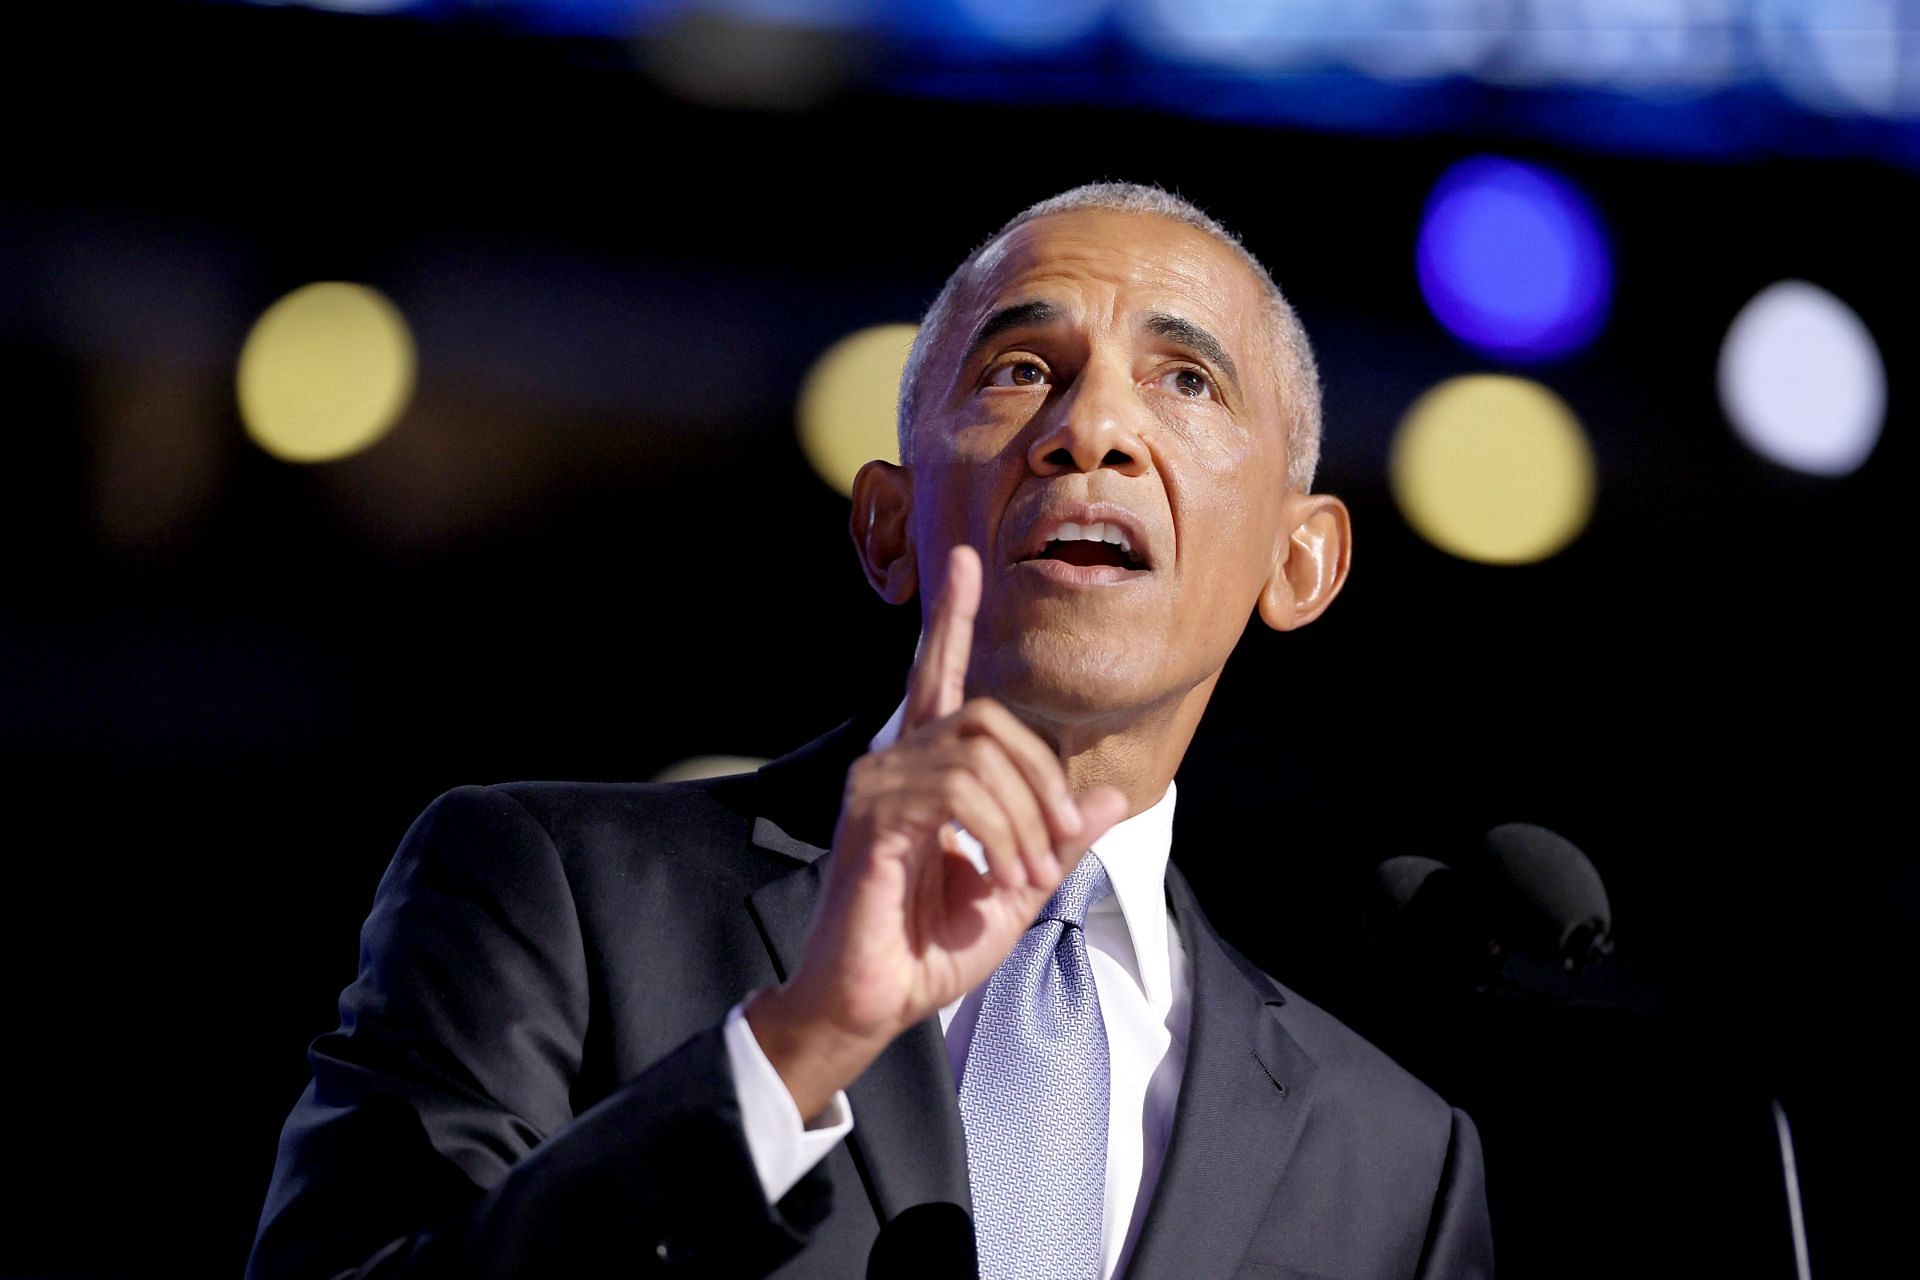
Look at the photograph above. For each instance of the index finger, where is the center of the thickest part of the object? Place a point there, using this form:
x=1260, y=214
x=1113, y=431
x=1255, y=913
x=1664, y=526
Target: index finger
x=938, y=684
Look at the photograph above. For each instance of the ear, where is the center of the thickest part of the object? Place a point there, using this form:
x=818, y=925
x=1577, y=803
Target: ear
x=1310, y=565
x=881, y=528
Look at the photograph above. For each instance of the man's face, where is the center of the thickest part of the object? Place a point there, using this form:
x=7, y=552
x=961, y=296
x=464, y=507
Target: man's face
x=1103, y=368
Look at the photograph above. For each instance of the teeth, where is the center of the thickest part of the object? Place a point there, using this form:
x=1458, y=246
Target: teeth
x=1095, y=532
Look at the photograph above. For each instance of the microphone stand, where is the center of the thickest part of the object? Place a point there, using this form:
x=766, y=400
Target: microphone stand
x=1443, y=930
x=1512, y=975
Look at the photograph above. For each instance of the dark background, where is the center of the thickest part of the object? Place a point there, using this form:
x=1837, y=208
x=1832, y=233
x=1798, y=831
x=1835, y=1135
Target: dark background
x=592, y=548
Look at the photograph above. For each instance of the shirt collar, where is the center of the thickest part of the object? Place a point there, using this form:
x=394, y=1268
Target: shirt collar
x=1134, y=852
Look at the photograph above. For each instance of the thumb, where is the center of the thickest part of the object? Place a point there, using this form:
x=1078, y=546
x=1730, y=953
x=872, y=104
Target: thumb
x=1100, y=808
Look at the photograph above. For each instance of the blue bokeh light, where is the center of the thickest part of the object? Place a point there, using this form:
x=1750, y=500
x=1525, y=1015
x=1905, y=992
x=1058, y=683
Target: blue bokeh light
x=1512, y=260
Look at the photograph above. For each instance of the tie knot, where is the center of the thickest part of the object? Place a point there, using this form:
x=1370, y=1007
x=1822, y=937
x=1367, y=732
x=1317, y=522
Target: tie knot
x=1085, y=885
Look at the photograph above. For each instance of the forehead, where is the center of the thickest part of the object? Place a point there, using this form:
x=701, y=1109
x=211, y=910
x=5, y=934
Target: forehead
x=1128, y=262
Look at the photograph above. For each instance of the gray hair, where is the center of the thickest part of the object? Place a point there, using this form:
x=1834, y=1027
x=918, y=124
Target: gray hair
x=1294, y=366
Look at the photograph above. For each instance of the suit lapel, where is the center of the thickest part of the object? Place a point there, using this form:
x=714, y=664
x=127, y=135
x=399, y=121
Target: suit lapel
x=907, y=1138
x=1240, y=1109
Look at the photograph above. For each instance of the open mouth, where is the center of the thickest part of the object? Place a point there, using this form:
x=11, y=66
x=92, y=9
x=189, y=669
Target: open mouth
x=1090, y=545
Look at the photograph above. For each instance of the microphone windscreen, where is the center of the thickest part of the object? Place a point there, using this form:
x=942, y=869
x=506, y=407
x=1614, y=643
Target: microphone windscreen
x=1429, y=921
x=1556, y=895
x=932, y=1241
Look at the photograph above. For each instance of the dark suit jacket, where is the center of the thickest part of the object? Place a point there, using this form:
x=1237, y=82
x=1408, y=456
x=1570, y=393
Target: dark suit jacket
x=529, y=1077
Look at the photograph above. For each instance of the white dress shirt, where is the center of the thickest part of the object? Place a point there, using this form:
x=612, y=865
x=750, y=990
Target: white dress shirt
x=1141, y=973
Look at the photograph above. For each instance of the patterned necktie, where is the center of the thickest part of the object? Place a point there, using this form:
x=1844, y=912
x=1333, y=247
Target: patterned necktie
x=1033, y=1098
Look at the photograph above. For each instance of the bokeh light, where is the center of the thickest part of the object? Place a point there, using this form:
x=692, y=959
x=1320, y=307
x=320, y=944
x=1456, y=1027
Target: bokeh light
x=847, y=403
x=1512, y=260
x=1802, y=381
x=708, y=767
x=1493, y=468
x=326, y=371
x=748, y=55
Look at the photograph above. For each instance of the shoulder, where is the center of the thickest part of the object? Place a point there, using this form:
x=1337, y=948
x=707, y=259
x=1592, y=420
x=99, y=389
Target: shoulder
x=507, y=834
x=590, y=810
x=577, y=813
x=610, y=875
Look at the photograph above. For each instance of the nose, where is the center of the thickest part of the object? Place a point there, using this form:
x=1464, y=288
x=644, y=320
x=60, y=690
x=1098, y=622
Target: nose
x=1094, y=424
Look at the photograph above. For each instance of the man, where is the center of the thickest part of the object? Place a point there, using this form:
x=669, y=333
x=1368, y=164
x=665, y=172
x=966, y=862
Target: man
x=736, y=1027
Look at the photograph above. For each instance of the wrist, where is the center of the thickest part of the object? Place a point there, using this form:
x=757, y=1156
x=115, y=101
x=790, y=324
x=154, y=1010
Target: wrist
x=813, y=1057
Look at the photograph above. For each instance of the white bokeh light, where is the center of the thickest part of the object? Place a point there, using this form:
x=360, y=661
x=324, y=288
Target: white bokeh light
x=1801, y=380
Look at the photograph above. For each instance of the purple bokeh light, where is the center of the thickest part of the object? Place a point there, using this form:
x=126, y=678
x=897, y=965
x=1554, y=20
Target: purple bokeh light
x=1512, y=260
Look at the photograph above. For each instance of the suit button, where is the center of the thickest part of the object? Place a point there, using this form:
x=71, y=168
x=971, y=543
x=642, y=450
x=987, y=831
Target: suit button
x=672, y=1252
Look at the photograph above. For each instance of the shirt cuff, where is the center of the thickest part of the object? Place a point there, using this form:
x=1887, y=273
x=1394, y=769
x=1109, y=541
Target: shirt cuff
x=783, y=1148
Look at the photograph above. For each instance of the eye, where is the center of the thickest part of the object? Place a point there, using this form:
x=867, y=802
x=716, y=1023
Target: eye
x=1017, y=373
x=1189, y=382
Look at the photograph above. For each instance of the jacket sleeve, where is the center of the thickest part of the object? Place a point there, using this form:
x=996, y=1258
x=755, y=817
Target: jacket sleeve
x=438, y=1136
x=1459, y=1235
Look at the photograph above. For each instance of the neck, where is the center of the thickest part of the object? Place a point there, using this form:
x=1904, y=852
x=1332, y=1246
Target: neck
x=1137, y=749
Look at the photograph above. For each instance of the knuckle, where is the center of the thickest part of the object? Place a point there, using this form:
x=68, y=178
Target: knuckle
x=979, y=711
x=957, y=780
x=979, y=753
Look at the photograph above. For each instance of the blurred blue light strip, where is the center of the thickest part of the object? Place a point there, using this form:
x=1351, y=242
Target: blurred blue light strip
x=1668, y=77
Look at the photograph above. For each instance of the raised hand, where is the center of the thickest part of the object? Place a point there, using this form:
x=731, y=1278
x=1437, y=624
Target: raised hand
x=905, y=923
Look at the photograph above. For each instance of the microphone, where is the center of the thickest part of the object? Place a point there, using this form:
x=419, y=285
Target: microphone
x=932, y=1241
x=1535, y=925
x=1430, y=923
x=1554, y=900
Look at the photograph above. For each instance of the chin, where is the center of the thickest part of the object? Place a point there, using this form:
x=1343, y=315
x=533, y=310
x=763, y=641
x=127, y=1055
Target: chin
x=1068, y=678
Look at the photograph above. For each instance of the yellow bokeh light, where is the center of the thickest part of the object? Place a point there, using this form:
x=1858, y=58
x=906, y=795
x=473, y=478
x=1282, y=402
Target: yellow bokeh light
x=326, y=371
x=846, y=409
x=1493, y=468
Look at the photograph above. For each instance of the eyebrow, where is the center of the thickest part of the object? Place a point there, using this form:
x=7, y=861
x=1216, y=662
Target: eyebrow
x=1186, y=333
x=1018, y=316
